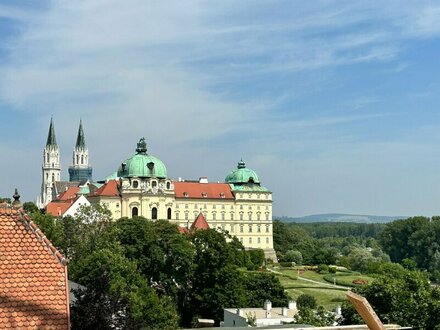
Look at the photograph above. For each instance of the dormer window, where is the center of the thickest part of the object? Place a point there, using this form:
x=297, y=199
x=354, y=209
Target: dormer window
x=185, y=194
x=135, y=184
x=204, y=195
x=222, y=195
x=168, y=185
x=154, y=184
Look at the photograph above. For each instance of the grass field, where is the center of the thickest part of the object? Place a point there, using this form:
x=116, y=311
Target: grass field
x=325, y=294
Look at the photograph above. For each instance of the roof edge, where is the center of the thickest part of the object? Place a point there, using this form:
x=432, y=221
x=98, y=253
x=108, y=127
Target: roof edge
x=30, y=224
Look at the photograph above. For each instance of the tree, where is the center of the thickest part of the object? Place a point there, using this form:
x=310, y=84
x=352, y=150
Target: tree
x=293, y=256
x=260, y=287
x=401, y=296
x=306, y=301
x=216, y=282
x=30, y=207
x=51, y=227
x=117, y=296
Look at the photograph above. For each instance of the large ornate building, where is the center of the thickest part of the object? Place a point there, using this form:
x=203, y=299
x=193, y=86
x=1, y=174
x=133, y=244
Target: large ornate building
x=141, y=187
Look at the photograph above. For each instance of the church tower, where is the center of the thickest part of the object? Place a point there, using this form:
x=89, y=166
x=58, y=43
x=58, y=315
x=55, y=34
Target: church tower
x=51, y=167
x=80, y=170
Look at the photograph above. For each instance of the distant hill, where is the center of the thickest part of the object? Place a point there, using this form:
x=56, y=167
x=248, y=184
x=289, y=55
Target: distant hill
x=340, y=217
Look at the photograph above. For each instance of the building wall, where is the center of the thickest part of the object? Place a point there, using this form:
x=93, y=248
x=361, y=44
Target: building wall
x=248, y=215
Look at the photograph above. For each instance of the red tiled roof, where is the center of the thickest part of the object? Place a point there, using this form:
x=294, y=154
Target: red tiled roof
x=58, y=208
x=199, y=223
x=33, y=276
x=70, y=193
x=202, y=190
x=110, y=188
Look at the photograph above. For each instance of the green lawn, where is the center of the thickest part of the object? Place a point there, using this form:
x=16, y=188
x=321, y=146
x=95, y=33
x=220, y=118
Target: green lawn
x=326, y=295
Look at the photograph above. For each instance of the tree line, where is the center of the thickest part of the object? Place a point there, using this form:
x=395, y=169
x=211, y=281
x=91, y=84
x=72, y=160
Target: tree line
x=143, y=274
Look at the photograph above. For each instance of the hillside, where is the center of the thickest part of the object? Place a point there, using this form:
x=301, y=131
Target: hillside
x=341, y=217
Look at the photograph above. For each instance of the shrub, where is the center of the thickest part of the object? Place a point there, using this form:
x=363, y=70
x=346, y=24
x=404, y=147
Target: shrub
x=306, y=301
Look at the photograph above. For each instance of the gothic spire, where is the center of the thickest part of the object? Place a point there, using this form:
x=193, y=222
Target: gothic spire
x=80, y=140
x=51, y=139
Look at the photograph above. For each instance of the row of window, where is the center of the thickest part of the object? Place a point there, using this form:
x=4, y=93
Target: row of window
x=223, y=216
x=154, y=184
x=214, y=207
x=250, y=196
x=135, y=212
x=258, y=240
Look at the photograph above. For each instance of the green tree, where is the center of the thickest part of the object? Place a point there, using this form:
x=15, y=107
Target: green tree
x=30, y=208
x=306, y=301
x=117, y=296
x=293, y=256
x=264, y=286
x=51, y=227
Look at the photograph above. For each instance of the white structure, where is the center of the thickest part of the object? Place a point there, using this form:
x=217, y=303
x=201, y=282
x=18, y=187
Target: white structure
x=51, y=167
x=265, y=316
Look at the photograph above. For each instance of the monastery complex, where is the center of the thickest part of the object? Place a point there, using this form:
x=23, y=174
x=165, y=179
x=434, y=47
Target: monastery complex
x=141, y=187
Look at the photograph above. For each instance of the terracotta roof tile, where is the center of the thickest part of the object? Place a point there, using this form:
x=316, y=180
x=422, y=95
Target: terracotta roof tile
x=57, y=208
x=70, y=193
x=199, y=223
x=33, y=276
x=202, y=190
x=110, y=188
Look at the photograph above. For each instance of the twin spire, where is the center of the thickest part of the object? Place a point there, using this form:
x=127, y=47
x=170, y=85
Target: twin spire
x=52, y=140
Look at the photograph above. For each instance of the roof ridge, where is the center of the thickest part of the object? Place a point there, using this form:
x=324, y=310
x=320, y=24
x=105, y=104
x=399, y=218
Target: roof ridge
x=30, y=224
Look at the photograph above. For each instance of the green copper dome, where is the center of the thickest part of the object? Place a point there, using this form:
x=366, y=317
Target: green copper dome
x=242, y=175
x=142, y=164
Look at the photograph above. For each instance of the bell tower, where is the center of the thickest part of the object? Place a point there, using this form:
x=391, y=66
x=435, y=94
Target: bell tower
x=51, y=166
x=80, y=169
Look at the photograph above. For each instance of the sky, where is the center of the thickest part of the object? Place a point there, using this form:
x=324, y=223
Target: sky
x=335, y=104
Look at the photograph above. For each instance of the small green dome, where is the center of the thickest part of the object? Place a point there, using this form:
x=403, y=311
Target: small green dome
x=242, y=175
x=142, y=164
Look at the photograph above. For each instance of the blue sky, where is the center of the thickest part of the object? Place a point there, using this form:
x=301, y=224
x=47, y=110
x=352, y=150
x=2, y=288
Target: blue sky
x=333, y=103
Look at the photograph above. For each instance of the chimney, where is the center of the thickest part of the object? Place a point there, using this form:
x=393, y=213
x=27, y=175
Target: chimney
x=16, y=204
x=292, y=304
x=267, y=305
x=284, y=311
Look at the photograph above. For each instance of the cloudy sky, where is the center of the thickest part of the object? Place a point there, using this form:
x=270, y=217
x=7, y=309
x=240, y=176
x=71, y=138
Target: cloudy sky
x=335, y=104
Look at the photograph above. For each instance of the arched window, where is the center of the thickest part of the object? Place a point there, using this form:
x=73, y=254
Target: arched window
x=154, y=213
x=169, y=213
x=82, y=159
x=77, y=159
x=53, y=177
x=47, y=157
x=154, y=184
x=135, y=184
x=168, y=185
x=134, y=211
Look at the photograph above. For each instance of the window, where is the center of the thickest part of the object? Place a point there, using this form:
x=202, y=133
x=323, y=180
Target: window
x=267, y=207
x=177, y=215
x=250, y=240
x=154, y=184
x=186, y=206
x=82, y=159
x=134, y=211
x=214, y=216
x=185, y=194
x=204, y=206
x=154, y=213
x=53, y=177
x=241, y=228
x=222, y=195
x=196, y=206
x=250, y=228
x=250, y=216
x=241, y=207
x=223, y=216
x=267, y=228
x=267, y=240
x=267, y=216
x=259, y=240
x=213, y=206
x=168, y=185
x=47, y=157
x=186, y=215
x=77, y=159
x=241, y=216
x=258, y=216
x=117, y=204
x=169, y=213
x=223, y=207
x=204, y=195
x=135, y=184
x=259, y=229
x=241, y=239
